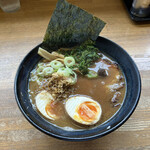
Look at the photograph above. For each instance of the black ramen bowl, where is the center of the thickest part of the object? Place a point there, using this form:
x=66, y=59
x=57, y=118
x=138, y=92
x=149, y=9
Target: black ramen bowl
x=133, y=90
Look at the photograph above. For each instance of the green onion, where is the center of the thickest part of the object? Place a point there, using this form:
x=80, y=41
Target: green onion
x=48, y=71
x=85, y=55
x=40, y=71
x=48, y=65
x=33, y=78
x=74, y=79
x=56, y=64
x=40, y=64
x=63, y=72
x=69, y=61
x=91, y=74
x=69, y=70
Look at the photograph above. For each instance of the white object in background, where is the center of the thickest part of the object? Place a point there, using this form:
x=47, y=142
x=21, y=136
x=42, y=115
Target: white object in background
x=141, y=8
x=9, y=5
x=141, y=3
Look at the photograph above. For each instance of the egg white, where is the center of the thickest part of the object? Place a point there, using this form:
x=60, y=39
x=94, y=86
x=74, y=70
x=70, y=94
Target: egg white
x=42, y=99
x=72, y=105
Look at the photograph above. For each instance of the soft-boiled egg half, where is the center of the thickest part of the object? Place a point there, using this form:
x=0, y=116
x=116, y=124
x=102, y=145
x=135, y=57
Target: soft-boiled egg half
x=83, y=110
x=44, y=103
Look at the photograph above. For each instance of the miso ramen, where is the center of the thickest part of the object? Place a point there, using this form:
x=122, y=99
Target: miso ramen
x=76, y=88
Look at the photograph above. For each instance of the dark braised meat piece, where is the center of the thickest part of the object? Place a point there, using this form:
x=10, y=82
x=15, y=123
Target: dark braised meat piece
x=116, y=97
x=102, y=72
x=116, y=86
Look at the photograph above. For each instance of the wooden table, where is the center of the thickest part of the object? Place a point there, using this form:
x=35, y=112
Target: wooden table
x=24, y=29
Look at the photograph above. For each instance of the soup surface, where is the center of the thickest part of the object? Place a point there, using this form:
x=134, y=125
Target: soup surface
x=108, y=89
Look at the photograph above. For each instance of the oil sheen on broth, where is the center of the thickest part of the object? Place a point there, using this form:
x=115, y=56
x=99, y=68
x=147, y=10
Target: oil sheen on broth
x=108, y=89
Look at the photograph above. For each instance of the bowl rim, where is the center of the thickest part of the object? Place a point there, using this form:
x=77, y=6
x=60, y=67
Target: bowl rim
x=80, y=138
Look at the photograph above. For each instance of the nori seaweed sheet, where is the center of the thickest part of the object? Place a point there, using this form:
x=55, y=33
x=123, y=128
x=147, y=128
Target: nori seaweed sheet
x=70, y=26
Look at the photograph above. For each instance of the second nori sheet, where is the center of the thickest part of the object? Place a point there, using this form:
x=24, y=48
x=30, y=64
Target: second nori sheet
x=71, y=25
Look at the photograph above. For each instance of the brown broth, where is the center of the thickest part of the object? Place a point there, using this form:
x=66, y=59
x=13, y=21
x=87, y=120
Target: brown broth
x=96, y=88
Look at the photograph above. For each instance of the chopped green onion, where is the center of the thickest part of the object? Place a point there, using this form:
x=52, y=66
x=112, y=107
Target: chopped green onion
x=41, y=64
x=91, y=74
x=48, y=71
x=69, y=61
x=40, y=71
x=74, y=79
x=48, y=65
x=63, y=72
x=69, y=70
x=56, y=64
x=33, y=78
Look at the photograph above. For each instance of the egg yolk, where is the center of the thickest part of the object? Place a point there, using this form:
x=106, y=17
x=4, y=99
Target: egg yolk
x=53, y=109
x=87, y=111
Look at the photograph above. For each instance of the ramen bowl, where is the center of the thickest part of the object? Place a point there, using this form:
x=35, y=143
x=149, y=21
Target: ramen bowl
x=133, y=90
